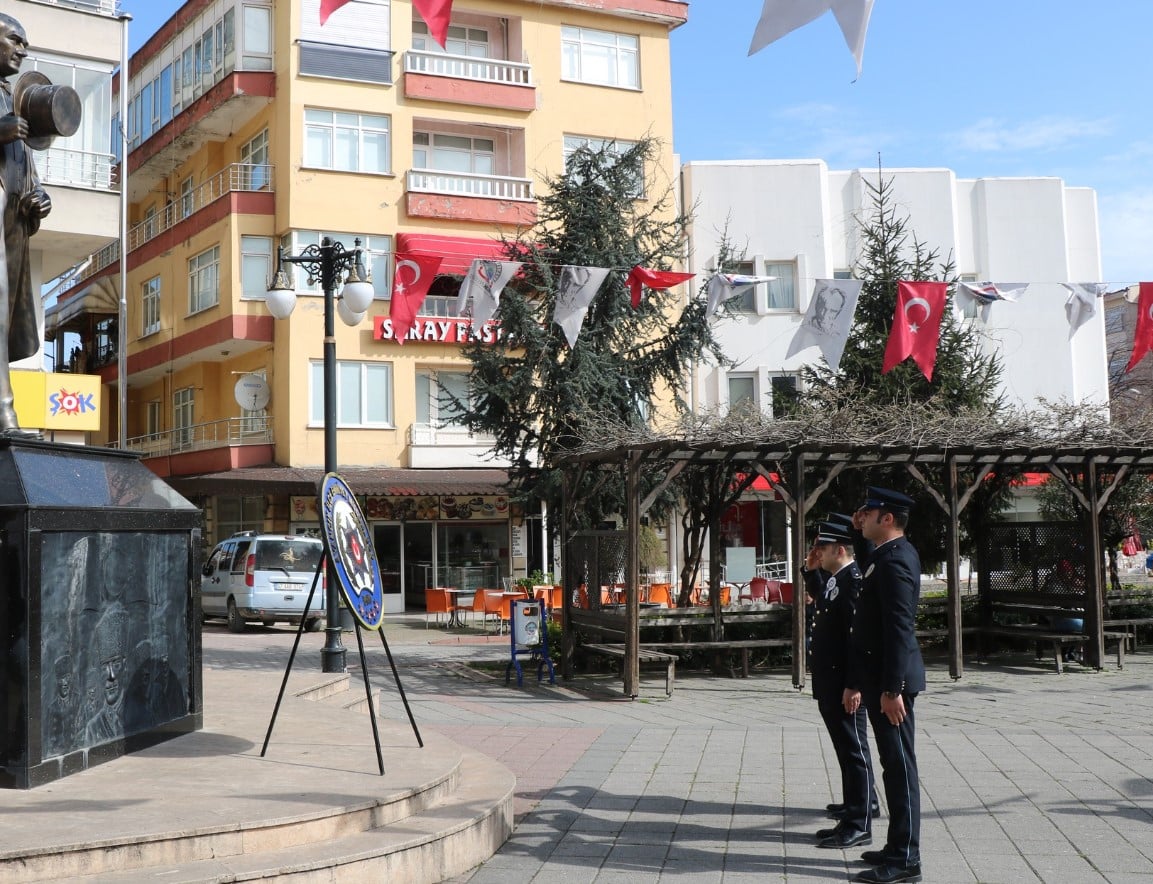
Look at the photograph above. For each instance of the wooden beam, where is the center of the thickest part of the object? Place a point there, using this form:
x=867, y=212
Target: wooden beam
x=673, y=472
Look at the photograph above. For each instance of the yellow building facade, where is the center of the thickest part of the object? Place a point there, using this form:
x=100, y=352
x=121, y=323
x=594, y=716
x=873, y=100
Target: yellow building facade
x=253, y=127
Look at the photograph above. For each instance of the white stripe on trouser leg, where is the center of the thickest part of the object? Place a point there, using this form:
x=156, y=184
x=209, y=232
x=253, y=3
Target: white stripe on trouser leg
x=908, y=796
x=868, y=777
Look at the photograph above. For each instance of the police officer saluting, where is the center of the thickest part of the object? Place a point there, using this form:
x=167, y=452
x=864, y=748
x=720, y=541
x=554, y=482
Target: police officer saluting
x=886, y=673
x=833, y=580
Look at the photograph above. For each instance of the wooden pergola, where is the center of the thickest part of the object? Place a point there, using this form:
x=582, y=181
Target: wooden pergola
x=800, y=458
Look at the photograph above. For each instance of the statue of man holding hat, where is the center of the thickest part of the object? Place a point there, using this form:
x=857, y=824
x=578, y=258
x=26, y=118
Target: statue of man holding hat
x=25, y=202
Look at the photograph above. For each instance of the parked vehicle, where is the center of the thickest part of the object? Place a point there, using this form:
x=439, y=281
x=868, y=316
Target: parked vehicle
x=263, y=578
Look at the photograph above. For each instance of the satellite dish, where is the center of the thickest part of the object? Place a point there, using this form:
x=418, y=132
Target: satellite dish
x=251, y=392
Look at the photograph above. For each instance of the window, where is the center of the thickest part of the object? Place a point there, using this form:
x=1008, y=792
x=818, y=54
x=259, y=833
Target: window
x=152, y=417
x=436, y=393
x=182, y=415
x=743, y=391
x=785, y=391
x=236, y=514
x=611, y=146
x=255, y=266
x=257, y=38
x=453, y=153
x=187, y=197
x=204, y=280
x=600, y=57
x=346, y=142
x=842, y=274
x=363, y=394
x=377, y=254
x=254, y=154
x=472, y=42
x=971, y=307
x=782, y=291
x=744, y=299
x=150, y=306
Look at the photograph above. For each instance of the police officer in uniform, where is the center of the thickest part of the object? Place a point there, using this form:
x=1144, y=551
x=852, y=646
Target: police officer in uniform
x=833, y=580
x=886, y=674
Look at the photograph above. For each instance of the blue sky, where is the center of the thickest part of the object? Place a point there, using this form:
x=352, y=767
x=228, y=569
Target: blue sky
x=984, y=87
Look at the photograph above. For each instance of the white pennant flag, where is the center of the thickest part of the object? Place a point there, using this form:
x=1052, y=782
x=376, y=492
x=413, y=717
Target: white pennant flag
x=576, y=290
x=723, y=286
x=780, y=17
x=984, y=293
x=1082, y=303
x=828, y=320
x=483, y=283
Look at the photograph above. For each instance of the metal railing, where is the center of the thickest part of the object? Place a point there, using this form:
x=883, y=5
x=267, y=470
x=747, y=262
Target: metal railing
x=469, y=184
x=236, y=177
x=465, y=67
x=214, y=434
x=107, y=7
x=79, y=168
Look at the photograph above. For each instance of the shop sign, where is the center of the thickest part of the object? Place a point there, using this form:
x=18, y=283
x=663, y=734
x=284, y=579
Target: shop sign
x=439, y=330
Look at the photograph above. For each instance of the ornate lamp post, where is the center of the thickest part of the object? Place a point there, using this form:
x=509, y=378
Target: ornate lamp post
x=325, y=264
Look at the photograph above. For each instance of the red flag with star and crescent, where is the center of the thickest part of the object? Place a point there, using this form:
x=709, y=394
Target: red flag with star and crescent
x=328, y=7
x=1143, y=335
x=916, y=326
x=654, y=279
x=410, y=283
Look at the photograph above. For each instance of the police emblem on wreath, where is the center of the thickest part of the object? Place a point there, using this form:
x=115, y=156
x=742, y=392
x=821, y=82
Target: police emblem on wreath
x=353, y=554
x=831, y=589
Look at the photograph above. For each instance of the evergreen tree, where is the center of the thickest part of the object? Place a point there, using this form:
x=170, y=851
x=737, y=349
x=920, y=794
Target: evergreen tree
x=538, y=397
x=964, y=376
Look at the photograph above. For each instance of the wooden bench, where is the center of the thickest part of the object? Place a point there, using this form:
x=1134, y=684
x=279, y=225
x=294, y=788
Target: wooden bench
x=1058, y=640
x=743, y=645
x=1129, y=626
x=644, y=655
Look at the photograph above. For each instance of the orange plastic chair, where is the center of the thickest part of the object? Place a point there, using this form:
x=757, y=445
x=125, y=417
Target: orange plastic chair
x=659, y=594
x=435, y=602
x=493, y=599
x=478, y=603
x=556, y=598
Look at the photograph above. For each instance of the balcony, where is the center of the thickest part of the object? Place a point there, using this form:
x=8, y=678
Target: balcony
x=229, y=443
x=449, y=447
x=464, y=196
x=236, y=178
x=104, y=7
x=77, y=168
x=462, y=79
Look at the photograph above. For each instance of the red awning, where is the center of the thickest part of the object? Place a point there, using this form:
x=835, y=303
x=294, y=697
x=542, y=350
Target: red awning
x=457, y=251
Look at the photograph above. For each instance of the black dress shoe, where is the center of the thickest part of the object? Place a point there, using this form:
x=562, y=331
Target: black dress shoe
x=834, y=809
x=889, y=874
x=845, y=839
x=877, y=857
x=874, y=811
x=822, y=834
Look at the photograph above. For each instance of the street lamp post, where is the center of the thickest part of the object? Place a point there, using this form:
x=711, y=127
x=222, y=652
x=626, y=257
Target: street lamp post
x=325, y=264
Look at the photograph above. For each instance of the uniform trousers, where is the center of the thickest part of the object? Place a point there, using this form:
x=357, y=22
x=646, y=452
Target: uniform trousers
x=850, y=737
x=898, y=757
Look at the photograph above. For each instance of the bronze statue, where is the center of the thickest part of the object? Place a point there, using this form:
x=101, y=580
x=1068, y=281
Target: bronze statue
x=31, y=112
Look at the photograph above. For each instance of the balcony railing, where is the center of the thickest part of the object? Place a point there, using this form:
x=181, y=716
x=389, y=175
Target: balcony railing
x=464, y=67
x=107, y=7
x=427, y=434
x=230, y=431
x=237, y=177
x=468, y=184
x=78, y=168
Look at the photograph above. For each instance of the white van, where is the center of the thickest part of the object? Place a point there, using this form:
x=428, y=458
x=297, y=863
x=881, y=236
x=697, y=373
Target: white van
x=264, y=578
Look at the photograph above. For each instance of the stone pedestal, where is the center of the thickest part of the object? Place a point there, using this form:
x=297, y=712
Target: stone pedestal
x=99, y=560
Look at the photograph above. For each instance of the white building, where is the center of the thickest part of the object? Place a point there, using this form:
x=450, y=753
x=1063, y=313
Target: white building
x=797, y=220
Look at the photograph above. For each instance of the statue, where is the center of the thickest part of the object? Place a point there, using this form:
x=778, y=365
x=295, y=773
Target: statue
x=32, y=111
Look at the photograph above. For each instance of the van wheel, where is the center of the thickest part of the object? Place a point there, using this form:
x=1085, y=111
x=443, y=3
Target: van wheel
x=268, y=622
x=235, y=621
x=312, y=624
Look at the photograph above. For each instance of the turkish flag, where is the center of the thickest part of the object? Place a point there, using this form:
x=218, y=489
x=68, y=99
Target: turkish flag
x=328, y=7
x=654, y=279
x=1143, y=336
x=916, y=325
x=410, y=283
x=436, y=14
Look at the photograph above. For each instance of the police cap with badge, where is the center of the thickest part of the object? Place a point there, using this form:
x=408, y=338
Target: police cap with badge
x=885, y=499
x=834, y=532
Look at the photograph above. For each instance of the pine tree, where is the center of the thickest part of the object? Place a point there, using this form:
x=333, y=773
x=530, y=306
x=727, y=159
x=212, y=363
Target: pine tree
x=537, y=397
x=964, y=375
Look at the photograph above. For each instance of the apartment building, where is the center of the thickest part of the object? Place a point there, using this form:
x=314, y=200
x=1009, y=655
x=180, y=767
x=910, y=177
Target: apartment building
x=254, y=127
x=797, y=220
x=77, y=43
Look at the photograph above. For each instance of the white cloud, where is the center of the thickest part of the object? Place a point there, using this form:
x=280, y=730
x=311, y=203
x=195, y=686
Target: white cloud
x=1039, y=134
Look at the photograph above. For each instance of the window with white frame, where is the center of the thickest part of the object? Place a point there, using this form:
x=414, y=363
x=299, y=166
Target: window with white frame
x=842, y=274
x=743, y=391
x=602, y=58
x=363, y=394
x=254, y=155
x=255, y=266
x=469, y=41
x=971, y=309
x=204, y=280
x=785, y=389
x=187, y=197
x=453, y=153
x=257, y=38
x=377, y=249
x=744, y=299
x=347, y=142
x=781, y=292
x=152, y=411
x=436, y=395
x=150, y=306
x=612, y=146
x=183, y=412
